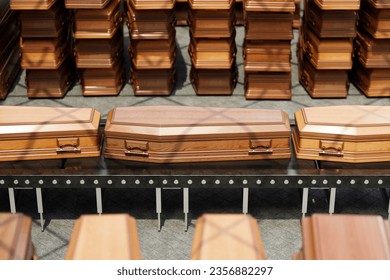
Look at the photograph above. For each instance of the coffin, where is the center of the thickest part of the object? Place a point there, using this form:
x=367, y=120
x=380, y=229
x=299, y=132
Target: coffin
x=15, y=236
x=375, y=21
x=170, y=134
x=348, y=133
x=345, y=237
x=181, y=13
x=104, y=237
x=297, y=15
x=239, y=13
x=86, y=4
x=213, y=81
x=211, y=5
x=152, y=5
x=9, y=70
x=338, y=5
x=9, y=30
x=286, y=6
x=4, y=9
x=379, y=4
x=29, y=133
x=227, y=237
x=147, y=82
x=211, y=23
x=31, y=4
x=267, y=85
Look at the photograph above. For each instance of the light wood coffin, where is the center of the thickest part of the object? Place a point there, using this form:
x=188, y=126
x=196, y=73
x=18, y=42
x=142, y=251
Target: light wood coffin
x=227, y=237
x=348, y=133
x=379, y=4
x=211, y=23
x=31, y=4
x=211, y=5
x=268, y=85
x=15, y=236
x=104, y=237
x=9, y=70
x=152, y=5
x=375, y=21
x=286, y=6
x=338, y=5
x=86, y=4
x=29, y=133
x=98, y=23
x=147, y=82
x=345, y=237
x=168, y=134
x=213, y=81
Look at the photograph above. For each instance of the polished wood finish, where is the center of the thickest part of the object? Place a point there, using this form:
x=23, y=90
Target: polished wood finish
x=371, y=52
x=338, y=5
x=227, y=237
x=211, y=5
x=287, y=6
x=213, y=81
x=104, y=237
x=9, y=30
x=152, y=82
x=152, y=5
x=31, y=4
x=268, y=85
x=375, y=21
x=86, y=4
x=211, y=23
x=297, y=15
x=379, y=4
x=9, y=70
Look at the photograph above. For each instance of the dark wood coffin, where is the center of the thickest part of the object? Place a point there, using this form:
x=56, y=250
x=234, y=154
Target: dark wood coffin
x=153, y=54
x=9, y=69
x=44, y=23
x=181, y=12
x=4, y=9
x=168, y=134
x=267, y=85
x=213, y=81
x=51, y=83
x=211, y=5
x=375, y=21
x=103, y=81
x=287, y=6
x=373, y=82
x=227, y=237
x=31, y=4
x=267, y=55
x=268, y=26
x=30, y=133
x=208, y=53
x=99, y=53
x=104, y=237
x=297, y=15
x=371, y=52
x=326, y=53
x=152, y=5
x=86, y=4
x=239, y=13
x=15, y=236
x=211, y=23
x=330, y=23
x=149, y=82
x=379, y=4
x=349, y=133
x=345, y=237
x=9, y=30
x=338, y=5
x=98, y=23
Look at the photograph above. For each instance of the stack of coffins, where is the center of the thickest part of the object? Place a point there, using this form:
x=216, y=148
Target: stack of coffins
x=371, y=65
x=98, y=33
x=267, y=48
x=239, y=12
x=344, y=237
x=297, y=14
x=325, y=47
x=181, y=12
x=152, y=46
x=212, y=48
x=45, y=47
x=9, y=48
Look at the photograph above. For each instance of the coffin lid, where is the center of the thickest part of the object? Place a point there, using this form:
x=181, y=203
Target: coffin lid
x=379, y=4
x=86, y=4
x=214, y=45
x=91, y=14
x=345, y=237
x=372, y=44
x=152, y=5
x=327, y=44
x=287, y=6
x=267, y=46
x=4, y=8
x=37, y=122
x=345, y=122
x=31, y=4
x=338, y=5
x=43, y=44
x=176, y=123
x=57, y=10
x=211, y=5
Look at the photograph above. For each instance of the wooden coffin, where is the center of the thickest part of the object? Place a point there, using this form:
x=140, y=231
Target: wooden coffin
x=373, y=82
x=153, y=54
x=50, y=83
x=152, y=5
x=4, y=9
x=181, y=13
x=345, y=237
x=99, y=53
x=297, y=15
x=213, y=81
x=239, y=13
x=211, y=5
x=267, y=85
x=46, y=53
x=287, y=6
x=98, y=23
x=9, y=70
x=30, y=133
x=227, y=237
x=103, y=81
x=44, y=23
x=379, y=4
x=330, y=23
x=371, y=52
x=15, y=236
x=267, y=55
x=86, y=4
x=338, y=5
x=268, y=26
x=104, y=237
x=9, y=30
x=350, y=133
x=171, y=134
x=326, y=53
x=149, y=82
x=211, y=23
x=375, y=21
x=212, y=53
x=31, y=4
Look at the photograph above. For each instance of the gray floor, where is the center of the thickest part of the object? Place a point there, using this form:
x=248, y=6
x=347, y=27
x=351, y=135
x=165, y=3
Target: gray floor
x=277, y=210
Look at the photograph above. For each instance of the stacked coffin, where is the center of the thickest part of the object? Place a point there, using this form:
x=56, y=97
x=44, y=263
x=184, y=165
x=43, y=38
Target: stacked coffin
x=267, y=48
x=9, y=48
x=371, y=65
x=152, y=46
x=212, y=48
x=297, y=14
x=98, y=33
x=181, y=12
x=325, y=47
x=45, y=47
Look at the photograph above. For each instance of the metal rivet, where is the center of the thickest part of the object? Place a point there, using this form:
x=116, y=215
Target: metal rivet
x=109, y=182
x=137, y=182
x=16, y=182
x=165, y=182
x=40, y=182
x=272, y=182
x=231, y=182
x=203, y=182
x=82, y=182
x=258, y=182
x=313, y=182
x=68, y=182
x=151, y=182
x=176, y=182
x=366, y=182
x=380, y=182
x=27, y=182
x=245, y=182
x=325, y=182
x=2, y=182
x=286, y=182
x=189, y=182
x=338, y=182
x=54, y=182
x=96, y=182
x=217, y=182
x=123, y=182
x=300, y=182
x=352, y=182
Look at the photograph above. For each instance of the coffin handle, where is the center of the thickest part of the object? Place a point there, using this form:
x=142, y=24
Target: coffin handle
x=331, y=148
x=68, y=145
x=260, y=146
x=136, y=148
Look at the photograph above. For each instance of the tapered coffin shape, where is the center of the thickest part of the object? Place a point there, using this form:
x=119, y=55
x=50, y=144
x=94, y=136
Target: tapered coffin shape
x=287, y=6
x=147, y=82
x=213, y=81
x=347, y=133
x=375, y=21
x=31, y=4
x=104, y=237
x=86, y=4
x=29, y=133
x=211, y=23
x=227, y=237
x=168, y=134
x=9, y=69
x=268, y=85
